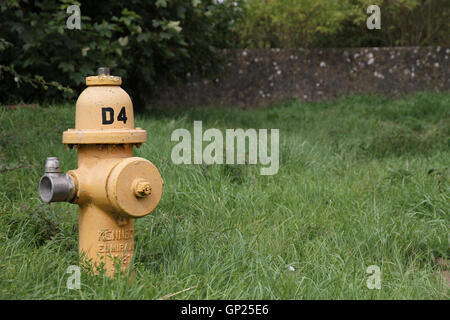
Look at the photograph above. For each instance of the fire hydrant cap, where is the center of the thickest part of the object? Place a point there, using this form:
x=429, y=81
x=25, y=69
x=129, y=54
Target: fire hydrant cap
x=122, y=184
x=104, y=114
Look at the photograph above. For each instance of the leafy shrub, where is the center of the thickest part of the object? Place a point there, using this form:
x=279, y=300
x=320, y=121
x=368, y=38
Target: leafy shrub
x=288, y=23
x=342, y=23
x=403, y=23
x=146, y=42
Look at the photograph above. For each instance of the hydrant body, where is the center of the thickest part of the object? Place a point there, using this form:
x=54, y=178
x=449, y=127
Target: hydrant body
x=111, y=187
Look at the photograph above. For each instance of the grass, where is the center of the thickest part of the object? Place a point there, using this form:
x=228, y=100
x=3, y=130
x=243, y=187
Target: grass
x=363, y=181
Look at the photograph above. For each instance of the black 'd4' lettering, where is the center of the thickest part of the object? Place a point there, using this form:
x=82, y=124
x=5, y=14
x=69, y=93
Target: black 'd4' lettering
x=111, y=115
x=108, y=115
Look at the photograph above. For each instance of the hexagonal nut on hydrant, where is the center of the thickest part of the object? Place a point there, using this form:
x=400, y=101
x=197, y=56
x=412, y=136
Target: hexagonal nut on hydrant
x=142, y=188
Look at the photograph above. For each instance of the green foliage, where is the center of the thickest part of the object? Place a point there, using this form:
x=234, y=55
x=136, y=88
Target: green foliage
x=146, y=42
x=288, y=23
x=342, y=23
x=416, y=23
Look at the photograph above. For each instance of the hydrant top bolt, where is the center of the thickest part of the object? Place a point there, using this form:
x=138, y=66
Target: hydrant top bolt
x=103, y=71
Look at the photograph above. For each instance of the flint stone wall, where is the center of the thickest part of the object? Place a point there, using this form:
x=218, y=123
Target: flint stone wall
x=261, y=77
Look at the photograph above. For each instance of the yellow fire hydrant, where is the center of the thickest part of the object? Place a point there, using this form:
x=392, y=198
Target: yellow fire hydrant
x=110, y=186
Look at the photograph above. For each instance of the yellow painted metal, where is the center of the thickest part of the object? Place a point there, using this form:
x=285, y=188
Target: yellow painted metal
x=104, y=114
x=87, y=136
x=112, y=187
x=123, y=181
x=103, y=80
x=142, y=187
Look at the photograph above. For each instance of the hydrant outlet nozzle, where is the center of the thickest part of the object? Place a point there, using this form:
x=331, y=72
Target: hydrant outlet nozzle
x=103, y=71
x=55, y=186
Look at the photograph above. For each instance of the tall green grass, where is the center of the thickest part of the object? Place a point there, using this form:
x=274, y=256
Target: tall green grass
x=363, y=181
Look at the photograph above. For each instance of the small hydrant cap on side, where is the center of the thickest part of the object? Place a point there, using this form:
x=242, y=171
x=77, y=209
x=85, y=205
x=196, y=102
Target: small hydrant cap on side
x=135, y=187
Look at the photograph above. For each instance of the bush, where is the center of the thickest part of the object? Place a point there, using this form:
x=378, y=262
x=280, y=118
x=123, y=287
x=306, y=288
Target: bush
x=342, y=23
x=288, y=23
x=146, y=42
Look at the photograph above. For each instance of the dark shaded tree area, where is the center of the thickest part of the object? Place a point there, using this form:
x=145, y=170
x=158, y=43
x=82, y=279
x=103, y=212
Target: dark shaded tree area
x=145, y=42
